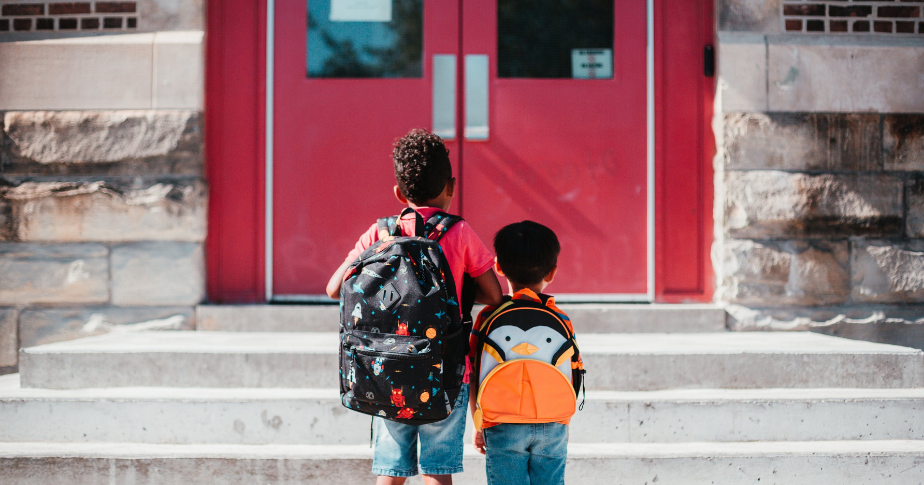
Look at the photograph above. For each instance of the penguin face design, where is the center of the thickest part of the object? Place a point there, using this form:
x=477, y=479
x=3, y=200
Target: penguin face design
x=537, y=343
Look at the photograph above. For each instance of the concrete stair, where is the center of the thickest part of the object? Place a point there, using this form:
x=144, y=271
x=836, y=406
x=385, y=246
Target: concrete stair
x=616, y=362
x=249, y=406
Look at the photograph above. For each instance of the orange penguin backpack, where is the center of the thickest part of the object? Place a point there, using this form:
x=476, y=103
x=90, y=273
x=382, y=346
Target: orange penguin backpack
x=529, y=365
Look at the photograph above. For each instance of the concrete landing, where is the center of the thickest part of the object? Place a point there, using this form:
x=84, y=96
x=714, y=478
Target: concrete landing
x=876, y=462
x=618, y=362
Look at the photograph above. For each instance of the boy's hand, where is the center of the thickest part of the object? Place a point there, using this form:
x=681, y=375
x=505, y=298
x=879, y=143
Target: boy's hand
x=478, y=441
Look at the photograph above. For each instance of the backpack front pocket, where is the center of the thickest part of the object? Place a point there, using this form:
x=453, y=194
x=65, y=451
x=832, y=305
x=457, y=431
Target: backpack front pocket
x=391, y=378
x=526, y=391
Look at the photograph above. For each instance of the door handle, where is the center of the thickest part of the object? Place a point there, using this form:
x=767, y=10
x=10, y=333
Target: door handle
x=444, y=96
x=476, y=97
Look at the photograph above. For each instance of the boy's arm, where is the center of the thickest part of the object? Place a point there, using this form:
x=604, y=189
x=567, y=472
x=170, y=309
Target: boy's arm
x=487, y=289
x=333, y=286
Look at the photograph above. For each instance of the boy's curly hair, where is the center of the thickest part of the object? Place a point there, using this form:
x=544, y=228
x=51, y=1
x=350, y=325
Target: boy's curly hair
x=526, y=251
x=422, y=166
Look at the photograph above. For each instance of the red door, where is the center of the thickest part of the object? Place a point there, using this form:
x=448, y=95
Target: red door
x=549, y=105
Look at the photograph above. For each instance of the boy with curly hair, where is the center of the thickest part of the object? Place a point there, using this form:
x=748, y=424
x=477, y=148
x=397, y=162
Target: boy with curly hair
x=425, y=183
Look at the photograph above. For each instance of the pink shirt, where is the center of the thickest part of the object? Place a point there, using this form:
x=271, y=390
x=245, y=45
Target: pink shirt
x=464, y=252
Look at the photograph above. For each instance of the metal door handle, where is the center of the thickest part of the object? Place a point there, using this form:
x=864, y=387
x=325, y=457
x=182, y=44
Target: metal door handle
x=476, y=97
x=444, y=96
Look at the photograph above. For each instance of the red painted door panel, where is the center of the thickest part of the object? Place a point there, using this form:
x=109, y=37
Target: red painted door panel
x=332, y=150
x=568, y=153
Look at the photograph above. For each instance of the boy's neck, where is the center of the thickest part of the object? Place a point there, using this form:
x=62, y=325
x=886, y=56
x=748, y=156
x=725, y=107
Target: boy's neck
x=515, y=287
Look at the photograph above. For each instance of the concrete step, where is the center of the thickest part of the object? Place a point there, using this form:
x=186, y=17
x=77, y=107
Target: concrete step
x=593, y=318
x=315, y=416
x=618, y=362
x=873, y=462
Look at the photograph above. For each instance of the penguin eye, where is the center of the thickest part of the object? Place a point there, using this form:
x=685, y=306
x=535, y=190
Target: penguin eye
x=507, y=338
x=549, y=340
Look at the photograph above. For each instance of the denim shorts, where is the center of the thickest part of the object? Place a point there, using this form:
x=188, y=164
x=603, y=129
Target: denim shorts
x=440, y=443
x=526, y=454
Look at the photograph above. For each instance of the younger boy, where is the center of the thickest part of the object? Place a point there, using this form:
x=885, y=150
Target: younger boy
x=524, y=453
x=426, y=184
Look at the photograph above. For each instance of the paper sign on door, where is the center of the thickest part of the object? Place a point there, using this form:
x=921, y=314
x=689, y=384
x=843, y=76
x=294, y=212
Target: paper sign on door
x=591, y=63
x=360, y=10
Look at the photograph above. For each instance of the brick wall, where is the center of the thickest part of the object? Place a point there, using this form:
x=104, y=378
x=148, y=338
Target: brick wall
x=821, y=169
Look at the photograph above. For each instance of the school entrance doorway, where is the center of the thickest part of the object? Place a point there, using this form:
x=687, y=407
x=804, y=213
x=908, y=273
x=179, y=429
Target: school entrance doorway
x=590, y=117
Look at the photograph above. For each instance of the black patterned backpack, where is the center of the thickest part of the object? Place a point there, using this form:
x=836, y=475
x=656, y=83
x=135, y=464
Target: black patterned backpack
x=402, y=341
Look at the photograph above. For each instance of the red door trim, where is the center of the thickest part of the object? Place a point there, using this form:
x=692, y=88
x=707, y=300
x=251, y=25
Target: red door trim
x=235, y=112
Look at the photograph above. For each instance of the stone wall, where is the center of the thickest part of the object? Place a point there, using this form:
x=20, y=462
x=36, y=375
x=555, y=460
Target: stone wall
x=820, y=178
x=103, y=197
x=102, y=219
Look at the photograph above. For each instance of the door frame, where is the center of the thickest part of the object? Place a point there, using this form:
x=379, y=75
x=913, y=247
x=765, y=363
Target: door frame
x=239, y=162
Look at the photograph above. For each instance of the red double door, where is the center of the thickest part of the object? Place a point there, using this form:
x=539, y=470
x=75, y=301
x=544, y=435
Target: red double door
x=542, y=105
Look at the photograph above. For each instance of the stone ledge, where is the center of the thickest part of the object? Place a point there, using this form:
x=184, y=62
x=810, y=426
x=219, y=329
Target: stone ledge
x=820, y=75
x=887, y=324
x=124, y=74
x=774, y=204
x=49, y=325
x=97, y=211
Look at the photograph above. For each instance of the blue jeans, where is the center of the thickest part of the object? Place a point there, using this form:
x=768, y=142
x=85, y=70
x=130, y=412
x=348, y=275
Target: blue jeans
x=526, y=454
x=395, y=452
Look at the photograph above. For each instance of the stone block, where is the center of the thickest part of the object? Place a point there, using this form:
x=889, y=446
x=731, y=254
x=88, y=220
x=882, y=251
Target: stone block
x=785, y=272
x=79, y=137
x=914, y=216
x=9, y=339
x=886, y=324
x=167, y=15
x=158, y=274
x=53, y=273
x=803, y=141
x=903, y=141
x=834, y=75
x=749, y=16
x=179, y=78
x=775, y=204
x=49, y=325
x=96, y=211
x=743, y=72
x=102, y=143
x=888, y=271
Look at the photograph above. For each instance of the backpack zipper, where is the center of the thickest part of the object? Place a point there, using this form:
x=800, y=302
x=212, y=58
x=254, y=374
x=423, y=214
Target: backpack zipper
x=393, y=355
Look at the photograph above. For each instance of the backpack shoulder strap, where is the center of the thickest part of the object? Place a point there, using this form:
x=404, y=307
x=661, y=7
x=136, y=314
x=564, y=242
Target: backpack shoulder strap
x=438, y=224
x=388, y=226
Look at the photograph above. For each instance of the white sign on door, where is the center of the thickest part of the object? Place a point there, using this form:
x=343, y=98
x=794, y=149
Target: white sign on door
x=591, y=63
x=360, y=10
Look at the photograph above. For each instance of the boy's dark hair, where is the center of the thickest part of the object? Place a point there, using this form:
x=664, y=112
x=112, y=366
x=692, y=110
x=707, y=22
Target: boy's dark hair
x=526, y=251
x=422, y=167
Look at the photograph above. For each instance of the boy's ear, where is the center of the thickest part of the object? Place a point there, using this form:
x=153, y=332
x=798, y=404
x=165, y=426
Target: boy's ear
x=400, y=196
x=551, y=276
x=451, y=187
x=497, y=268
